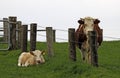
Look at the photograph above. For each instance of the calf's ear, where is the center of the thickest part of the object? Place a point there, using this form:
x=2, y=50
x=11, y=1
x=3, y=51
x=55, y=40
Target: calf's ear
x=32, y=53
x=43, y=52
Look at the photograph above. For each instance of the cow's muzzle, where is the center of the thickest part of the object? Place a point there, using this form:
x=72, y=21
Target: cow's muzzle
x=38, y=61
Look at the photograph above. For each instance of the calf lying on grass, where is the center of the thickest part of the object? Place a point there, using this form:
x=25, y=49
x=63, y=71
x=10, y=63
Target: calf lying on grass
x=31, y=58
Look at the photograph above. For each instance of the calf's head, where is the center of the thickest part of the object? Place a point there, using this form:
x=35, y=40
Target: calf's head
x=39, y=56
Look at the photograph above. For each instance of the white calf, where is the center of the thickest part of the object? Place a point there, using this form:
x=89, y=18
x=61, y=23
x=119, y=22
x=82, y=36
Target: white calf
x=31, y=58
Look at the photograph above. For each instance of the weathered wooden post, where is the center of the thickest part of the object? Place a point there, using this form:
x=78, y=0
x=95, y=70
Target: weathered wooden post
x=33, y=29
x=24, y=38
x=19, y=30
x=93, y=48
x=5, y=25
x=72, y=48
x=54, y=35
x=12, y=24
x=102, y=33
x=49, y=36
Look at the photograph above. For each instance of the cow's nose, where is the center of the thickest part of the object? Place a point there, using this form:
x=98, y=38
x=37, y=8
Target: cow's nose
x=38, y=61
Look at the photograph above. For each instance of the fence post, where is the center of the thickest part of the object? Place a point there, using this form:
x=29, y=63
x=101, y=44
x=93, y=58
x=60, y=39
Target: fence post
x=19, y=34
x=93, y=48
x=24, y=38
x=102, y=33
x=12, y=24
x=33, y=29
x=72, y=48
x=49, y=36
x=54, y=36
x=5, y=25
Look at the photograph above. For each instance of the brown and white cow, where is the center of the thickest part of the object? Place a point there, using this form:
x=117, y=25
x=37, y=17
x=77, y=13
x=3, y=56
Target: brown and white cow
x=81, y=34
x=31, y=58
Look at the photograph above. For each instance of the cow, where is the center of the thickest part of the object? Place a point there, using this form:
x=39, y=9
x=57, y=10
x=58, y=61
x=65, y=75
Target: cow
x=81, y=35
x=31, y=58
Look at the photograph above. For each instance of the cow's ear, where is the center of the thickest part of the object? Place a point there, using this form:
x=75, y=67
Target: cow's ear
x=43, y=52
x=96, y=21
x=32, y=53
x=81, y=21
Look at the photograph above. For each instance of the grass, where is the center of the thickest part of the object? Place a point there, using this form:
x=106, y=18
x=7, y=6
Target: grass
x=60, y=66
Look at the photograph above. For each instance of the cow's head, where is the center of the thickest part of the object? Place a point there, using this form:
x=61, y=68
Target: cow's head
x=88, y=23
x=39, y=56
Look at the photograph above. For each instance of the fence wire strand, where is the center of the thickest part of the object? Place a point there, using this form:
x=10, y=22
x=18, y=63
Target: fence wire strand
x=109, y=37
x=63, y=30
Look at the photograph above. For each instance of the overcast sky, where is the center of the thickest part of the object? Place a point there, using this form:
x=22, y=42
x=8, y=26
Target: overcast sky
x=64, y=14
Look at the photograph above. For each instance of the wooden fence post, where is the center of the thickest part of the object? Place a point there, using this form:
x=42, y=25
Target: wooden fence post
x=54, y=36
x=5, y=25
x=102, y=33
x=33, y=29
x=24, y=38
x=12, y=24
x=93, y=48
x=19, y=34
x=49, y=36
x=72, y=48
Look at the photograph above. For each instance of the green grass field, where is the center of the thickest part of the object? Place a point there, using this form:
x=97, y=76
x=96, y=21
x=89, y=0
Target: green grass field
x=60, y=66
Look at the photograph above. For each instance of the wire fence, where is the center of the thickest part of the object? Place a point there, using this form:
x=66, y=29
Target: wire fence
x=61, y=34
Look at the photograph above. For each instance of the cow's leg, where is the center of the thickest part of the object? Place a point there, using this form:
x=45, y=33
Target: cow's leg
x=26, y=63
x=88, y=52
x=88, y=56
x=19, y=61
x=83, y=53
x=23, y=65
